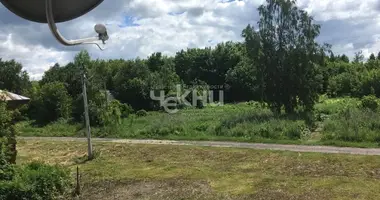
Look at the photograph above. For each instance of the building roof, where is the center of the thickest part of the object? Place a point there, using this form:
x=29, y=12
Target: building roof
x=9, y=96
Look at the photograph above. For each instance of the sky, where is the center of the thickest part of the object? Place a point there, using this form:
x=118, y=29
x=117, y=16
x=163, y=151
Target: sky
x=138, y=28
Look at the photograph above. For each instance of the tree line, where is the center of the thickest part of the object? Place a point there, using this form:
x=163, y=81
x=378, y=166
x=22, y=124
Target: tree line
x=279, y=63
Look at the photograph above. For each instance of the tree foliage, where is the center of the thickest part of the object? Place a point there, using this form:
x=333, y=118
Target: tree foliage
x=8, y=150
x=13, y=78
x=278, y=63
x=287, y=54
x=52, y=103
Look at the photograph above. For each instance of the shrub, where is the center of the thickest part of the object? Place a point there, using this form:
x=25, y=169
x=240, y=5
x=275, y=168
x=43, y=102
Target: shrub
x=7, y=135
x=353, y=125
x=111, y=114
x=257, y=105
x=105, y=114
x=334, y=106
x=200, y=104
x=369, y=102
x=263, y=124
x=162, y=131
x=294, y=131
x=6, y=169
x=36, y=181
x=17, y=116
x=126, y=110
x=141, y=113
x=233, y=120
x=53, y=102
x=202, y=127
x=347, y=83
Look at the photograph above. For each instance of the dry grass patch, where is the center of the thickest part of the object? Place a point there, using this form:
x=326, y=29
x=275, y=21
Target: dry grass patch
x=129, y=171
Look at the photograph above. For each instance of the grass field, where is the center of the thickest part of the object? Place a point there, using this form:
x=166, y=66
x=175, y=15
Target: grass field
x=123, y=171
x=338, y=122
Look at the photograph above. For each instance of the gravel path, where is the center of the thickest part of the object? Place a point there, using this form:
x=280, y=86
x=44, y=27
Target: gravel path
x=280, y=147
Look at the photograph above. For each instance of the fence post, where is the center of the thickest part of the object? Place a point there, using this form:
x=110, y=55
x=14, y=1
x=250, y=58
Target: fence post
x=77, y=189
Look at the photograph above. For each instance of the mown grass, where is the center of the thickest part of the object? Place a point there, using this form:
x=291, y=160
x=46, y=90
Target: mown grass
x=248, y=122
x=124, y=171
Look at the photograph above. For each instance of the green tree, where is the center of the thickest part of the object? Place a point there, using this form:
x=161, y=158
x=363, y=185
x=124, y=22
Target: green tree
x=359, y=57
x=54, y=74
x=99, y=76
x=83, y=65
x=332, y=57
x=132, y=84
x=242, y=83
x=52, y=103
x=347, y=83
x=345, y=58
x=194, y=64
x=288, y=56
x=155, y=61
x=69, y=75
x=135, y=79
x=372, y=57
x=13, y=78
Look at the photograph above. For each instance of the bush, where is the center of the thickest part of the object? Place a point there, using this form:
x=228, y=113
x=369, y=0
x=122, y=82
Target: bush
x=233, y=120
x=200, y=104
x=337, y=105
x=353, y=125
x=257, y=105
x=126, y=110
x=111, y=114
x=53, y=102
x=105, y=115
x=262, y=124
x=162, y=131
x=141, y=113
x=18, y=116
x=294, y=131
x=36, y=181
x=369, y=102
x=7, y=135
x=6, y=169
x=202, y=127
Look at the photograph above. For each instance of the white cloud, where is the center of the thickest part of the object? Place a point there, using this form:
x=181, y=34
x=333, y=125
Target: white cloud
x=38, y=58
x=171, y=25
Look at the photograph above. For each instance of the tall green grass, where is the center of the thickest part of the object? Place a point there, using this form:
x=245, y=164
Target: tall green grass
x=345, y=120
x=263, y=124
x=353, y=125
x=57, y=129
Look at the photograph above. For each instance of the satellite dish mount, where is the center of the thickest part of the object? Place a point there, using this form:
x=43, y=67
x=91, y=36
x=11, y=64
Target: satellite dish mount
x=103, y=36
x=56, y=11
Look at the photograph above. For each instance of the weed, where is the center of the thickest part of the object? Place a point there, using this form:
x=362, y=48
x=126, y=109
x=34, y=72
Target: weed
x=353, y=125
x=345, y=121
x=141, y=113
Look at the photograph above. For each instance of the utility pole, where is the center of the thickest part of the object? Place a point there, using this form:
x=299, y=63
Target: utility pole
x=86, y=115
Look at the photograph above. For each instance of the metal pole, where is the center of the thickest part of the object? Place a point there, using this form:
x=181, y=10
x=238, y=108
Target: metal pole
x=87, y=118
x=102, y=36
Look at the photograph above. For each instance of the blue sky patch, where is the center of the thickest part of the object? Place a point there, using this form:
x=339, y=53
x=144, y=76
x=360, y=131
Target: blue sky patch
x=128, y=21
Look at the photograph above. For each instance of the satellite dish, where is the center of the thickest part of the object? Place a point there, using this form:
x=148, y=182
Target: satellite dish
x=100, y=28
x=63, y=10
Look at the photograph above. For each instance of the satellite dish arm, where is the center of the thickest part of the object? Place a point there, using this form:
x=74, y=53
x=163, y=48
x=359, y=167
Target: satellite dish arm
x=58, y=35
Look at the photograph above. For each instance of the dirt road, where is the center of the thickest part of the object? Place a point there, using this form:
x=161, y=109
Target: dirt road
x=280, y=147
